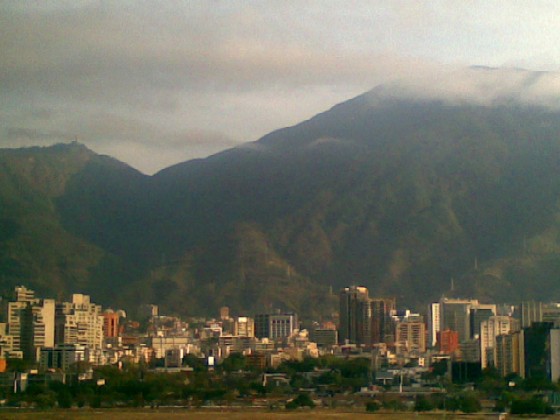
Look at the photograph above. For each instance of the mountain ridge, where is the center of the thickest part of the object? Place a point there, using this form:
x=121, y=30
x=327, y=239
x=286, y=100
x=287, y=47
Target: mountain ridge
x=401, y=196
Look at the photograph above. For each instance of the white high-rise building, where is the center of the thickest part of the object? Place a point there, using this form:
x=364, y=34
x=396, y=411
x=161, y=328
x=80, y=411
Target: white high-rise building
x=31, y=324
x=434, y=323
x=80, y=322
x=489, y=330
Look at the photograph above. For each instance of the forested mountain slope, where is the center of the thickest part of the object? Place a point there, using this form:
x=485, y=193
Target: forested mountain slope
x=398, y=195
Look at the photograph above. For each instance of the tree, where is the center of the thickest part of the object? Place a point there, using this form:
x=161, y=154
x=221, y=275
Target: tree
x=539, y=383
x=469, y=403
x=302, y=400
x=372, y=406
x=235, y=362
x=491, y=382
x=422, y=404
x=394, y=404
x=64, y=398
x=531, y=406
x=194, y=362
x=308, y=364
x=18, y=365
x=46, y=400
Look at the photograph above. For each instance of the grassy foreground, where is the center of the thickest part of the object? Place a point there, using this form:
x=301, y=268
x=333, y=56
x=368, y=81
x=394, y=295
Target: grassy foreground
x=131, y=414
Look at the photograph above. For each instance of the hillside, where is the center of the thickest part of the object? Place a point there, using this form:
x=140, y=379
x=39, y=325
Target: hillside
x=401, y=197
x=35, y=248
x=398, y=195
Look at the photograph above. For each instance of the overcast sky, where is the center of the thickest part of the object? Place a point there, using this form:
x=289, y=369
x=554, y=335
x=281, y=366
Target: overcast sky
x=156, y=83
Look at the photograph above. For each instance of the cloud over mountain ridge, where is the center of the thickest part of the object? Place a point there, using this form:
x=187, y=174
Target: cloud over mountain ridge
x=474, y=85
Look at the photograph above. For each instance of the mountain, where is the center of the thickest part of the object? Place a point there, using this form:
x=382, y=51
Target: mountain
x=398, y=194
x=35, y=248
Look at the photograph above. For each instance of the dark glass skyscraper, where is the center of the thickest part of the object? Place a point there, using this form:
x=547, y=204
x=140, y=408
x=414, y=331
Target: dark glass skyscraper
x=355, y=315
x=364, y=320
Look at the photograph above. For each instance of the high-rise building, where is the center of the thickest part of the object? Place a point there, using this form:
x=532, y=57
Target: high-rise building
x=538, y=350
x=355, y=315
x=20, y=328
x=80, y=322
x=554, y=355
x=282, y=325
x=551, y=313
x=434, y=323
x=470, y=351
x=491, y=328
x=365, y=320
x=410, y=336
x=275, y=326
x=110, y=324
x=508, y=353
x=324, y=337
x=531, y=312
x=448, y=341
x=63, y=357
x=244, y=327
x=262, y=325
x=6, y=342
x=478, y=314
x=382, y=325
x=23, y=294
x=31, y=323
x=455, y=316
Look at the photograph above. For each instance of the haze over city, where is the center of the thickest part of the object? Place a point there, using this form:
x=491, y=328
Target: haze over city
x=157, y=84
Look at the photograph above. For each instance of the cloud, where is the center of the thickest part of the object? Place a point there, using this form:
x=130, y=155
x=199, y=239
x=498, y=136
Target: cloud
x=112, y=55
x=475, y=85
x=328, y=141
x=25, y=135
x=152, y=157
x=195, y=78
x=142, y=144
x=187, y=79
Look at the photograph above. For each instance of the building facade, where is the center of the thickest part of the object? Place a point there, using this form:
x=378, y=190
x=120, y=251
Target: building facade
x=274, y=326
x=448, y=341
x=365, y=320
x=355, y=315
x=489, y=330
x=434, y=323
x=244, y=327
x=80, y=322
x=508, y=355
x=31, y=324
x=455, y=316
x=110, y=324
x=531, y=311
x=410, y=337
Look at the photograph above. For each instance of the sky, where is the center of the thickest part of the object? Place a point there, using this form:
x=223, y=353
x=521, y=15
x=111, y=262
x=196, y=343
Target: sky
x=157, y=83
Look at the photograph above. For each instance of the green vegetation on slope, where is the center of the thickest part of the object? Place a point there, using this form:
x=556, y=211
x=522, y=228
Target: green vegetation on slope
x=400, y=197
